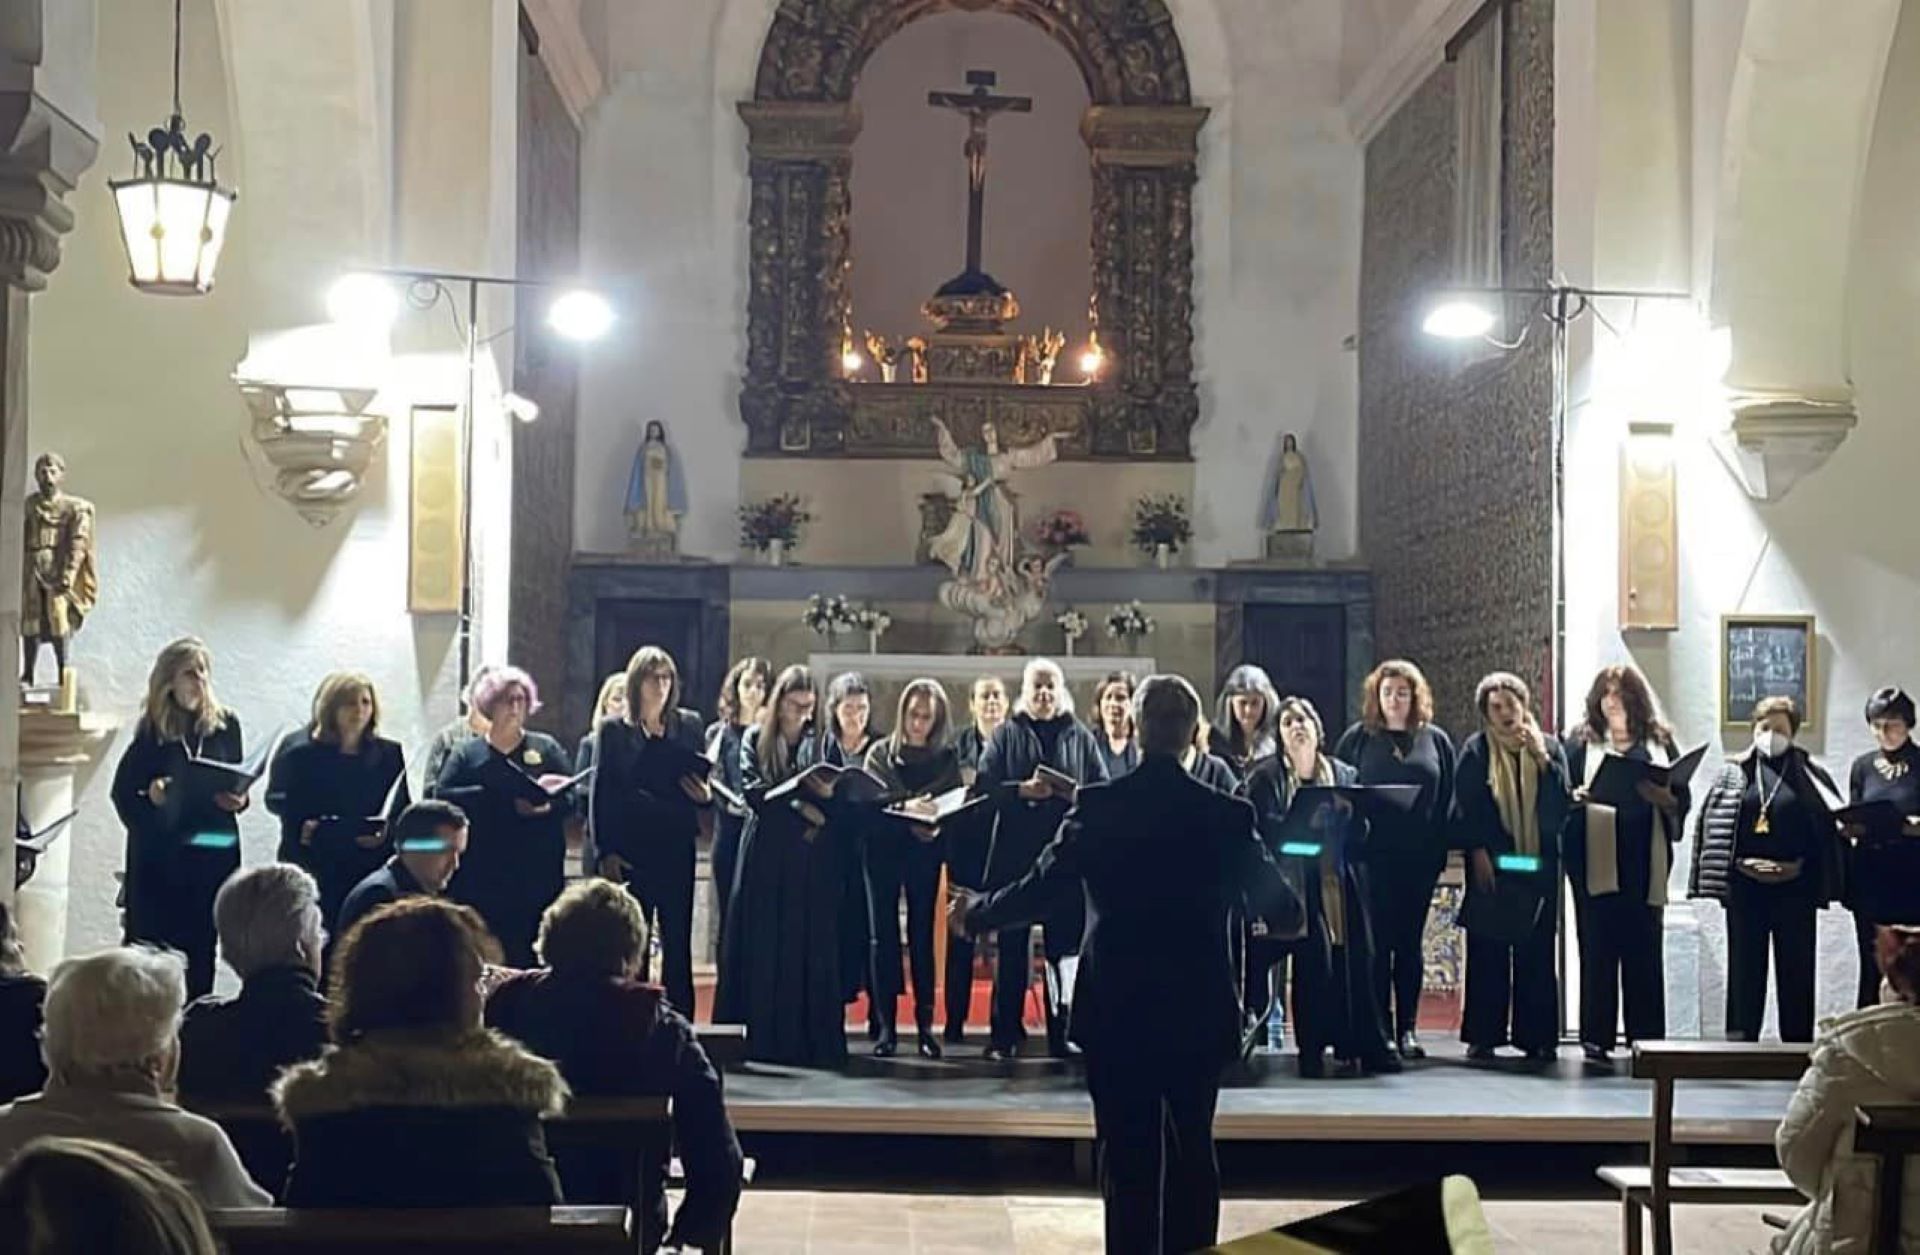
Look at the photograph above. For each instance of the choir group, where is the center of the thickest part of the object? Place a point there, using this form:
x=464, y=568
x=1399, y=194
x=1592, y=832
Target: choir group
x=821, y=823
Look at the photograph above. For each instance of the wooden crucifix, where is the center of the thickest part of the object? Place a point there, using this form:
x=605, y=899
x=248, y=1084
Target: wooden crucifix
x=980, y=106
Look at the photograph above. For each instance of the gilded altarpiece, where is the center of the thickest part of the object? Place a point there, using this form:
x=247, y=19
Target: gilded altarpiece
x=1142, y=133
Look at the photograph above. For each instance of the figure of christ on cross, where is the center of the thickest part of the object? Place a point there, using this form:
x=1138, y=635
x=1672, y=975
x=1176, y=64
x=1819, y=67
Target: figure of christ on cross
x=980, y=106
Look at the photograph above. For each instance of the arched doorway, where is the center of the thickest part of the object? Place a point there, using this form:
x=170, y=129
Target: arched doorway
x=1142, y=134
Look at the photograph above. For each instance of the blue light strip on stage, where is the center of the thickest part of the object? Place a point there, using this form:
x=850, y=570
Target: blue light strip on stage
x=1518, y=862
x=1300, y=849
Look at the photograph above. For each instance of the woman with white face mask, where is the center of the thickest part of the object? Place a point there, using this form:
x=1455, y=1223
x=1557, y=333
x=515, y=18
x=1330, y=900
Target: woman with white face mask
x=1765, y=846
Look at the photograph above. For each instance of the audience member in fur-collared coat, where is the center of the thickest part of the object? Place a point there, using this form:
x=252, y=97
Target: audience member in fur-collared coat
x=415, y=1104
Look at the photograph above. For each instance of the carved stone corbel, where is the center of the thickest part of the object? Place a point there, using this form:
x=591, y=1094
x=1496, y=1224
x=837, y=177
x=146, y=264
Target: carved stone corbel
x=1775, y=442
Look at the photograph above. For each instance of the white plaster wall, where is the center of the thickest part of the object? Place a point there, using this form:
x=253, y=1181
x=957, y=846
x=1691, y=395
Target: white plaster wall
x=135, y=391
x=1277, y=217
x=1836, y=547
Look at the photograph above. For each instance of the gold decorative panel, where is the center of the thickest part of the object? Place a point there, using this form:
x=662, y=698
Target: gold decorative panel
x=436, y=547
x=1649, y=538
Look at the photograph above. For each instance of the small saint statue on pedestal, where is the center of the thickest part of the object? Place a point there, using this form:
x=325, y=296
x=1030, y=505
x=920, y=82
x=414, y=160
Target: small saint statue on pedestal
x=61, y=583
x=656, y=496
x=1290, y=515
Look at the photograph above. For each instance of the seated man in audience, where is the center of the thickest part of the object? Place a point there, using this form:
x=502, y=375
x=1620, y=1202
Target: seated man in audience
x=428, y=840
x=112, y=1048
x=416, y=1104
x=231, y=1049
x=613, y=1035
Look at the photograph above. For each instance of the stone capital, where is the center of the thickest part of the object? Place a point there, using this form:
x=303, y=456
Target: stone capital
x=800, y=130
x=42, y=155
x=1152, y=136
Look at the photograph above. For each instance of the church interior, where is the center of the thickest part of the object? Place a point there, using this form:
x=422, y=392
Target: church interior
x=462, y=345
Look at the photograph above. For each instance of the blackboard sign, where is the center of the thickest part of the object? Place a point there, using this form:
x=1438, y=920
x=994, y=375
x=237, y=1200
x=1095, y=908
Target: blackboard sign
x=1765, y=656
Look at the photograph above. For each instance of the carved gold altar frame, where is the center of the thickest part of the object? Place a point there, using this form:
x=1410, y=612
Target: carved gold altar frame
x=1142, y=133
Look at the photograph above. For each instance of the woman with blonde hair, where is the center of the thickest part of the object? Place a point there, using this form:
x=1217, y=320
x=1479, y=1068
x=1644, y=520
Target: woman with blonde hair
x=647, y=796
x=333, y=784
x=515, y=860
x=917, y=764
x=611, y=703
x=1397, y=742
x=182, y=842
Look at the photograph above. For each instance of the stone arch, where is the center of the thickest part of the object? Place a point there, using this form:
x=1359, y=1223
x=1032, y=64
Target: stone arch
x=1130, y=54
x=1142, y=133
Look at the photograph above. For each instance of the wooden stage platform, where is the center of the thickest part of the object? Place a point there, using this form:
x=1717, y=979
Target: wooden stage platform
x=1442, y=1099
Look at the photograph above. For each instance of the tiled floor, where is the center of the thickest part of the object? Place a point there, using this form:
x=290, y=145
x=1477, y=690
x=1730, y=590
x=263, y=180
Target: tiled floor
x=808, y=1223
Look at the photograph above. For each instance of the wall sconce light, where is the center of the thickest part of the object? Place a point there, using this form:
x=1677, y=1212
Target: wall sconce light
x=173, y=214
x=319, y=440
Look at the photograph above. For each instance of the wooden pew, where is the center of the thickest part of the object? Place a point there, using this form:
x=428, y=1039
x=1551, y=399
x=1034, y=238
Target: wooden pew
x=1655, y=1187
x=483, y=1230
x=1889, y=1134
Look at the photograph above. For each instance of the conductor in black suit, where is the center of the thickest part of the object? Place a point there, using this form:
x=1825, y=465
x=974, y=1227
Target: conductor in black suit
x=1165, y=862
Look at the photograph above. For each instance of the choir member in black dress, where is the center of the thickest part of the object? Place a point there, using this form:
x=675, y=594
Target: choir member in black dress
x=846, y=734
x=1333, y=999
x=966, y=848
x=646, y=818
x=1889, y=772
x=916, y=763
x=1243, y=720
x=1113, y=724
x=1510, y=798
x=468, y=727
x=1617, y=861
x=1397, y=742
x=329, y=780
x=742, y=694
x=987, y=707
x=1028, y=811
x=182, y=841
x=610, y=704
x=515, y=860
x=1765, y=845
x=780, y=967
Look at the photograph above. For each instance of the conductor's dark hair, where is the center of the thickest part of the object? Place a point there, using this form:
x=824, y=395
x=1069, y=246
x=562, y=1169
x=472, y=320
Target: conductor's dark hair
x=424, y=823
x=1890, y=703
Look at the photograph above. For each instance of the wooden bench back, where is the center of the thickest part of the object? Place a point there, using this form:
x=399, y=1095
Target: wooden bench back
x=482, y=1230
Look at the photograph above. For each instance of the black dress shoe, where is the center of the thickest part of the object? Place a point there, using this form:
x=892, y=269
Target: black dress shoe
x=1410, y=1047
x=929, y=1045
x=1313, y=1065
x=955, y=1034
x=1598, y=1055
x=1542, y=1054
x=887, y=1044
x=1003, y=1052
x=1481, y=1054
x=1386, y=1063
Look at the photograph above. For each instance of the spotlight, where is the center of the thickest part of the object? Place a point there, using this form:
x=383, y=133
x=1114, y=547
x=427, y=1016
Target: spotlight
x=1459, y=316
x=363, y=301
x=580, y=315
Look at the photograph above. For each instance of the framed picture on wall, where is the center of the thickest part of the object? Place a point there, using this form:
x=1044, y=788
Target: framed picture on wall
x=1766, y=655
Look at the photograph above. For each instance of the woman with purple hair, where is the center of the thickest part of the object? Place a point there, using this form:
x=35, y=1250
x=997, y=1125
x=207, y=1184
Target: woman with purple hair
x=516, y=836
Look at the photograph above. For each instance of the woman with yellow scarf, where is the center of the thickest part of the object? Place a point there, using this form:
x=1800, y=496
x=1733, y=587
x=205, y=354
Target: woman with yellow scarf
x=1510, y=799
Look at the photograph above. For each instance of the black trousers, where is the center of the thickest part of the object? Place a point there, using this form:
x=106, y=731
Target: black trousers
x=959, y=981
x=726, y=862
x=1011, y=974
x=1780, y=917
x=1333, y=1002
x=1513, y=993
x=663, y=885
x=1866, y=934
x=1153, y=1132
x=1401, y=890
x=1622, y=950
x=897, y=861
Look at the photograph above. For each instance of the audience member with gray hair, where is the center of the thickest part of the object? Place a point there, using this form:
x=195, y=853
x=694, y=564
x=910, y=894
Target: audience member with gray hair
x=231, y=1049
x=112, y=1048
x=1164, y=863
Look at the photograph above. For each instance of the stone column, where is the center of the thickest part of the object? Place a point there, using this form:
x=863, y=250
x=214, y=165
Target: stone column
x=46, y=47
x=53, y=749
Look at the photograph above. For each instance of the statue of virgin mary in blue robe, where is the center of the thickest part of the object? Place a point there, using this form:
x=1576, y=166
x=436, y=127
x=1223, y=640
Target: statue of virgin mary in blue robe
x=656, y=493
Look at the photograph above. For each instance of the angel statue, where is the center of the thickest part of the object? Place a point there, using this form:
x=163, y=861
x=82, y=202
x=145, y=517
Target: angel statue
x=982, y=539
x=656, y=493
x=1003, y=606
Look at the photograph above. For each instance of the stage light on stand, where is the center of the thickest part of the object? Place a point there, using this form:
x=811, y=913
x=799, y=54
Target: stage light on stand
x=364, y=302
x=580, y=315
x=1460, y=316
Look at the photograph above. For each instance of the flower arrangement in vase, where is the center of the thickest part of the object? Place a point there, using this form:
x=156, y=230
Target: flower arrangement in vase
x=1161, y=527
x=772, y=527
x=1073, y=626
x=827, y=616
x=874, y=623
x=1059, y=531
x=1131, y=624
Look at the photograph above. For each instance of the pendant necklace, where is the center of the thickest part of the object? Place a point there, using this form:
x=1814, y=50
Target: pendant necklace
x=1889, y=769
x=1764, y=825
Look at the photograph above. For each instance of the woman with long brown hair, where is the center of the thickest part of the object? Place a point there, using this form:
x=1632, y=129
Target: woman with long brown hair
x=1397, y=742
x=181, y=841
x=742, y=694
x=1618, y=861
x=330, y=782
x=646, y=809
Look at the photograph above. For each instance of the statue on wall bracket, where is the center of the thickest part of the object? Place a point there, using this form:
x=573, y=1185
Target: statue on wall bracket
x=1289, y=514
x=61, y=583
x=656, y=497
x=994, y=584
